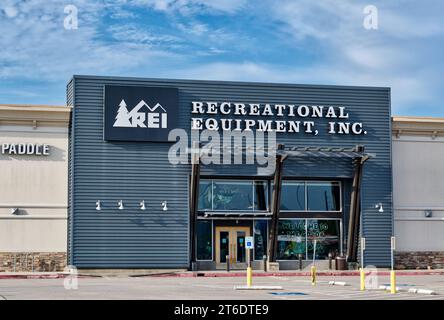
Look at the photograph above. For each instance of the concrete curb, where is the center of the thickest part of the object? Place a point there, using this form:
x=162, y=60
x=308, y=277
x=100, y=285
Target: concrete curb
x=338, y=283
x=258, y=288
x=293, y=274
x=410, y=290
x=40, y=276
x=215, y=274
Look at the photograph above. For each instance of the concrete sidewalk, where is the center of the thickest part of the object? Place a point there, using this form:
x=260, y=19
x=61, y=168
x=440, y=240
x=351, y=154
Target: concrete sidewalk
x=210, y=274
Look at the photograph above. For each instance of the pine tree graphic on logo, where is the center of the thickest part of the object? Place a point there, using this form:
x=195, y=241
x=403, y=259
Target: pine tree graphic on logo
x=123, y=116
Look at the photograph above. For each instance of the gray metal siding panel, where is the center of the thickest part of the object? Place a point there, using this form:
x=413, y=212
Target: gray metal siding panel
x=111, y=171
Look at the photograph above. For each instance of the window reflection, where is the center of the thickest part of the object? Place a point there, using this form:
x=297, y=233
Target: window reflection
x=260, y=239
x=205, y=195
x=293, y=196
x=323, y=196
x=261, y=195
x=204, y=240
x=233, y=195
x=291, y=239
x=326, y=234
x=297, y=237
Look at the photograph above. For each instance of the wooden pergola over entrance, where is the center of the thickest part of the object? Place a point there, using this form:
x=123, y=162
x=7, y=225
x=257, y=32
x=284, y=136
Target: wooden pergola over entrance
x=358, y=157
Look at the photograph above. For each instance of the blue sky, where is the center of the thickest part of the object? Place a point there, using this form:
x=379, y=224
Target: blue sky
x=291, y=41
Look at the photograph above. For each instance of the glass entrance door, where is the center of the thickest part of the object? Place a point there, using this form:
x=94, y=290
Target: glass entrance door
x=230, y=241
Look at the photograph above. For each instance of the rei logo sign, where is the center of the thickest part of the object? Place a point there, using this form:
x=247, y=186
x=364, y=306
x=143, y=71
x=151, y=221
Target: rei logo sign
x=140, y=113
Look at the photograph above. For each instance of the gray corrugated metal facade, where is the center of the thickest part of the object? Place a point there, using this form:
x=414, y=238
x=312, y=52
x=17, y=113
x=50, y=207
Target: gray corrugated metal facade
x=110, y=171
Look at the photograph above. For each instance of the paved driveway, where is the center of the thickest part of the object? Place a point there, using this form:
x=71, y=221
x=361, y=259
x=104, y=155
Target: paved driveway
x=298, y=288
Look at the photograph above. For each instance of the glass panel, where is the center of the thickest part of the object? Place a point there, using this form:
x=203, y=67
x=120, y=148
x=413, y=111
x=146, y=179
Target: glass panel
x=293, y=196
x=224, y=244
x=291, y=239
x=323, y=196
x=260, y=195
x=260, y=239
x=240, y=246
x=326, y=232
x=204, y=240
x=205, y=195
x=232, y=195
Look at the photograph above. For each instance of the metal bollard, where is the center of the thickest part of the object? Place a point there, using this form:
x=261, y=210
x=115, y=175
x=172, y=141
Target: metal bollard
x=249, y=276
x=249, y=269
x=227, y=258
x=362, y=276
x=300, y=261
x=330, y=256
x=313, y=275
x=264, y=258
x=392, y=282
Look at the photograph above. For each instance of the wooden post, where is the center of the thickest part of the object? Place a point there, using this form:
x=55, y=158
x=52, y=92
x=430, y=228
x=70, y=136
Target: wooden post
x=276, y=202
x=194, y=198
x=355, y=209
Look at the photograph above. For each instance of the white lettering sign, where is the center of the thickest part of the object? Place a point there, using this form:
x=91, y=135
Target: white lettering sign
x=303, y=115
x=25, y=149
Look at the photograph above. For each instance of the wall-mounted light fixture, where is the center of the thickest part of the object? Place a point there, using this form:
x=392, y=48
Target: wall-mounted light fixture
x=142, y=205
x=428, y=213
x=120, y=204
x=164, y=206
x=379, y=207
x=98, y=205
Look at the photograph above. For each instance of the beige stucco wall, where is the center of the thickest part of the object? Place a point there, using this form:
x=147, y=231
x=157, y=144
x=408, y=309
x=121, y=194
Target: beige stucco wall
x=418, y=185
x=37, y=185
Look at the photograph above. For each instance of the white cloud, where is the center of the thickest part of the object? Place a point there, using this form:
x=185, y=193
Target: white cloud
x=10, y=12
x=188, y=7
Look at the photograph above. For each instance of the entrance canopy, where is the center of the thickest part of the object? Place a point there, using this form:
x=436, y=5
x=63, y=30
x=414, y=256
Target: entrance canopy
x=325, y=152
x=356, y=154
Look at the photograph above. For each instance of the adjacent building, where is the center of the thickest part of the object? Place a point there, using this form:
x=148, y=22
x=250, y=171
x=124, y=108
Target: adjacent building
x=34, y=187
x=418, y=171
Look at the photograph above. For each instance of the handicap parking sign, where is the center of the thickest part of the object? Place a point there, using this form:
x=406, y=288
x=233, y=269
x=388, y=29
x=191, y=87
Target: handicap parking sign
x=249, y=242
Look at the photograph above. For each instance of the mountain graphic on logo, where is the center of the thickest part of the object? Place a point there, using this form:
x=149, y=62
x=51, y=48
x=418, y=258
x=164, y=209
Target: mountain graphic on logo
x=136, y=118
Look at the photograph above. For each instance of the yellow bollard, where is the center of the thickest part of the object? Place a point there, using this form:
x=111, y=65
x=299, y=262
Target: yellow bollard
x=249, y=277
x=362, y=274
x=313, y=275
x=392, y=281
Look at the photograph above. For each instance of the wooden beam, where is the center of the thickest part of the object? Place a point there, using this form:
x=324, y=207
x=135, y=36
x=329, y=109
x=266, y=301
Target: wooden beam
x=194, y=198
x=276, y=203
x=355, y=208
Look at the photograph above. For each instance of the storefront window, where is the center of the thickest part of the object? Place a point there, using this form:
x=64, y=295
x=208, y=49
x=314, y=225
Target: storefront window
x=204, y=240
x=291, y=239
x=226, y=195
x=326, y=234
x=260, y=195
x=323, y=196
x=232, y=195
x=205, y=195
x=260, y=239
x=293, y=196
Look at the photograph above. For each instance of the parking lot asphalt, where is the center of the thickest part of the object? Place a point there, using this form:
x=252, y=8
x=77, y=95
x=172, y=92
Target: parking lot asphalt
x=208, y=288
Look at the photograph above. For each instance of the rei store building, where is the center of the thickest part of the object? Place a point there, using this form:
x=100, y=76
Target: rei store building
x=178, y=173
